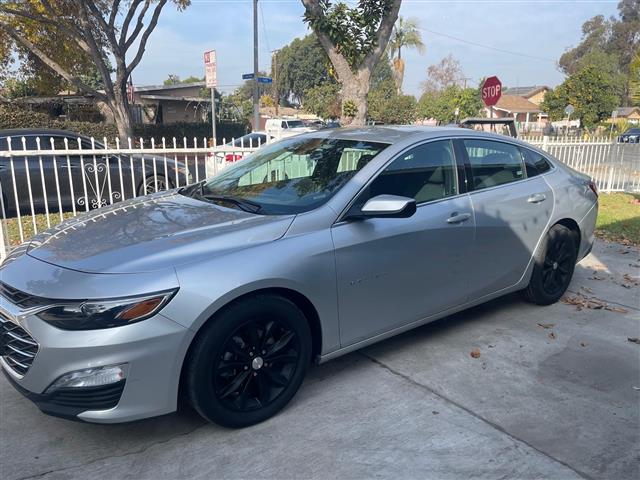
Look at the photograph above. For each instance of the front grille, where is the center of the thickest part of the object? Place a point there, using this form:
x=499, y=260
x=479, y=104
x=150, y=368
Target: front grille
x=103, y=397
x=17, y=347
x=21, y=299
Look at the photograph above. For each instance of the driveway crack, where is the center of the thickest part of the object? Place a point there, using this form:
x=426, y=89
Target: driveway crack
x=472, y=413
x=109, y=457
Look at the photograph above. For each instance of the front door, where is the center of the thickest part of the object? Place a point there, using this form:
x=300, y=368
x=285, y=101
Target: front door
x=395, y=271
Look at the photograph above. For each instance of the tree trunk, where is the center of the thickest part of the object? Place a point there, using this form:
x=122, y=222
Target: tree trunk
x=121, y=113
x=355, y=90
x=398, y=73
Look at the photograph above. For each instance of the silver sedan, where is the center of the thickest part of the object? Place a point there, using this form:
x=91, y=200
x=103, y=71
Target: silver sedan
x=312, y=247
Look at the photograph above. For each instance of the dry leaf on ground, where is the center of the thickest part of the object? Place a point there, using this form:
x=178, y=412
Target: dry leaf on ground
x=634, y=340
x=552, y=336
x=475, y=353
x=546, y=325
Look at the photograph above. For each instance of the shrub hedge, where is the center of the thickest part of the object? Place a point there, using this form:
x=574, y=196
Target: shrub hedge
x=12, y=117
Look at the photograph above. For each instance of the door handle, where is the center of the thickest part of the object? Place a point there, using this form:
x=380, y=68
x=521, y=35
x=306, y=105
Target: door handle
x=537, y=198
x=458, y=217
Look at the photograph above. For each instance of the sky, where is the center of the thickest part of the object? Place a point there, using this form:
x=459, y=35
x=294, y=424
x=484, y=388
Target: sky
x=535, y=32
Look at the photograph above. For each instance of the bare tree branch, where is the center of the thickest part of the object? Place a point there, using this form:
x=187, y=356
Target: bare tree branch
x=139, y=25
x=108, y=30
x=382, y=36
x=96, y=51
x=44, y=58
x=145, y=36
x=114, y=13
x=124, y=30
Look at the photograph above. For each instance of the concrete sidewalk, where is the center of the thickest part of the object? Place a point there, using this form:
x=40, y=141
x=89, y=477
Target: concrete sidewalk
x=550, y=396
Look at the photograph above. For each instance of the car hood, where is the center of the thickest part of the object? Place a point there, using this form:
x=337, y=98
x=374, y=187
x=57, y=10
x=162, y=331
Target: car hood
x=152, y=233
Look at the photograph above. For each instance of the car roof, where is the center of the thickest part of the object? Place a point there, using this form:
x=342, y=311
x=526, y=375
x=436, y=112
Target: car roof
x=395, y=133
x=20, y=132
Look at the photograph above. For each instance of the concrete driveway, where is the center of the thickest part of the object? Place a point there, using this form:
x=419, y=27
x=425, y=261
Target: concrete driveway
x=551, y=395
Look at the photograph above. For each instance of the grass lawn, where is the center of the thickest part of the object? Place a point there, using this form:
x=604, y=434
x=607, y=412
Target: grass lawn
x=618, y=220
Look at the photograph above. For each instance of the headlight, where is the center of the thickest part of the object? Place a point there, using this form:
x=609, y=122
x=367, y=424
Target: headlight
x=96, y=314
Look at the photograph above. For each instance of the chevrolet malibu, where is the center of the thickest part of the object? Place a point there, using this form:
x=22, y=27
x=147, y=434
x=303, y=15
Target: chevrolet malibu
x=223, y=292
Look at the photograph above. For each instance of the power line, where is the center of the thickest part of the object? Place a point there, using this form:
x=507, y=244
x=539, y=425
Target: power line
x=446, y=35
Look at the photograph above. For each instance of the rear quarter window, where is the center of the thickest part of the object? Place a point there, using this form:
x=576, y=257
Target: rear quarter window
x=535, y=163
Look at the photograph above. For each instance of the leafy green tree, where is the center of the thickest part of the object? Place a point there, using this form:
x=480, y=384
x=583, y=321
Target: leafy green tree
x=387, y=106
x=442, y=105
x=92, y=30
x=323, y=101
x=301, y=65
x=406, y=33
x=592, y=91
x=354, y=38
x=619, y=37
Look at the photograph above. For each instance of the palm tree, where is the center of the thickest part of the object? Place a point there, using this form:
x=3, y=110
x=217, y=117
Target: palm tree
x=406, y=33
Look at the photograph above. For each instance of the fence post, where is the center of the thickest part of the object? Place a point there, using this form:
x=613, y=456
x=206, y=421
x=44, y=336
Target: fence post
x=610, y=179
x=545, y=141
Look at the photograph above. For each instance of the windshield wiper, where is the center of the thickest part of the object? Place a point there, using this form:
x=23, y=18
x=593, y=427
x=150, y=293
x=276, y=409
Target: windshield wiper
x=243, y=203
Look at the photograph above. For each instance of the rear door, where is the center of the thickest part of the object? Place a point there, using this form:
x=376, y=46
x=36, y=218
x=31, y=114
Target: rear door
x=395, y=271
x=512, y=206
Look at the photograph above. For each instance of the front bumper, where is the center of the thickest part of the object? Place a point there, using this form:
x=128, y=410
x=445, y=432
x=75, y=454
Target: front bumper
x=153, y=349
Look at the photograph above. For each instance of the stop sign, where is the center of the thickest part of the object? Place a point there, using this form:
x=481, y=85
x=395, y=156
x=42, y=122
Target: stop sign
x=491, y=91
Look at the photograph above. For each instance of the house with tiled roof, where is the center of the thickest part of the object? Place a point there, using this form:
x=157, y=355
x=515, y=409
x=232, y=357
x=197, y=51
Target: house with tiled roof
x=535, y=94
x=522, y=104
x=630, y=114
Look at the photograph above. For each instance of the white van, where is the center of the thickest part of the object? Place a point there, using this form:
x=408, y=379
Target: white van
x=285, y=127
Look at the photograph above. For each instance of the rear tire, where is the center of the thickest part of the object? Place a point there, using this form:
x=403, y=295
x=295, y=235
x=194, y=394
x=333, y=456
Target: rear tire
x=554, y=264
x=151, y=181
x=249, y=361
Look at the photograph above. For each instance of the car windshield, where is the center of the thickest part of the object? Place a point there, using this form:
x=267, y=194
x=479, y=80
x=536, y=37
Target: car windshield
x=291, y=176
x=294, y=123
x=633, y=131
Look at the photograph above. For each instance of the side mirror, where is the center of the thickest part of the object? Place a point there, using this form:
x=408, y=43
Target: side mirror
x=387, y=206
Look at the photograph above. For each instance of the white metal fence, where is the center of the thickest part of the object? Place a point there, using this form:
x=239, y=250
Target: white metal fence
x=45, y=180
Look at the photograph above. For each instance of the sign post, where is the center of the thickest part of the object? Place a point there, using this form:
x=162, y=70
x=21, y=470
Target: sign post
x=568, y=110
x=211, y=81
x=491, y=92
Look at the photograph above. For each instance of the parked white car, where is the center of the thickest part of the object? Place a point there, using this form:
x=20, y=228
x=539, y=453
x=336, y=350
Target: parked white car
x=285, y=127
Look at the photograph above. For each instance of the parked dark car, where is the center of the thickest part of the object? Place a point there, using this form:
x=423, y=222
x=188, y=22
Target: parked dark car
x=77, y=179
x=630, y=136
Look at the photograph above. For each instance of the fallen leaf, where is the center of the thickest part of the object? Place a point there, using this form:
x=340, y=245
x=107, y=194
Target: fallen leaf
x=632, y=280
x=634, y=340
x=491, y=346
x=582, y=344
x=546, y=325
x=552, y=336
x=475, y=353
x=435, y=412
x=616, y=309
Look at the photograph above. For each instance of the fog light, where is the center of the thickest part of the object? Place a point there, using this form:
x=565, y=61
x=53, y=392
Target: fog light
x=91, y=377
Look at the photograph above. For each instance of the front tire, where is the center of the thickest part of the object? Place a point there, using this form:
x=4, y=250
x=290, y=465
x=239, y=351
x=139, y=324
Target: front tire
x=555, y=262
x=249, y=361
x=154, y=184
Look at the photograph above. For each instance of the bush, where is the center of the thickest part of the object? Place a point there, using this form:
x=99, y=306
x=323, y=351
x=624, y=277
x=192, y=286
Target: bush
x=12, y=116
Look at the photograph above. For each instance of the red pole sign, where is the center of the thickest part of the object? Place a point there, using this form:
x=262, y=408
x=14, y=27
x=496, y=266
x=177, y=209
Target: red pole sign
x=491, y=91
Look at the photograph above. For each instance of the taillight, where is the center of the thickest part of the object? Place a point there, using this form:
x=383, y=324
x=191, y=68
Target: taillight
x=232, y=157
x=593, y=187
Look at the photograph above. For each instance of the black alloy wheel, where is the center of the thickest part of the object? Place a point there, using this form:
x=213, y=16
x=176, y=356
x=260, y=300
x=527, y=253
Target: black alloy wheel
x=554, y=265
x=248, y=361
x=257, y=363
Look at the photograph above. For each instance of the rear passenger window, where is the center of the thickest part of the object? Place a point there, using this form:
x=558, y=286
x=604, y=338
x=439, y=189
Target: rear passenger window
x=535, y=163
x=493, y=163
x=425, y=173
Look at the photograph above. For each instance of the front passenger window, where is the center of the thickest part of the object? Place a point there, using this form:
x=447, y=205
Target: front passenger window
x=493, y=163
x=425, y=173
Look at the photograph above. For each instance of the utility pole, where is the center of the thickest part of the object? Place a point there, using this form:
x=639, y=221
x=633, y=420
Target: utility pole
x=256, y=88
x=276, y=96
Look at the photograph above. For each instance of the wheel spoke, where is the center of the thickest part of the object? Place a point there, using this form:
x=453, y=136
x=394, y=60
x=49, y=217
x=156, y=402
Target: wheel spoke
x=284, y=358
x=263, y=390
x=235, y=385
x=226, y=366
x=281, y=343
x=276, y=378
x=266, y=334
